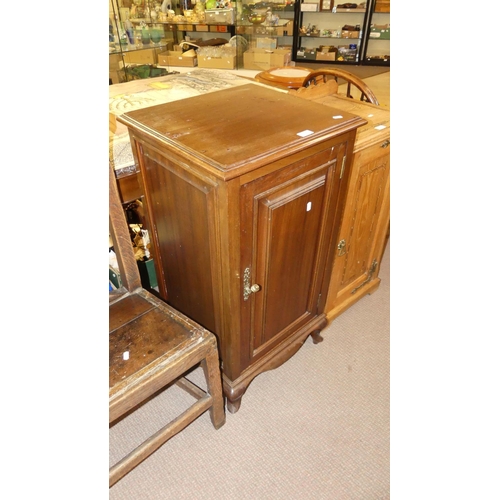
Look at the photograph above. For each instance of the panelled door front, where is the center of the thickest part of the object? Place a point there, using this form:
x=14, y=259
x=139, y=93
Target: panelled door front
x=286, y=231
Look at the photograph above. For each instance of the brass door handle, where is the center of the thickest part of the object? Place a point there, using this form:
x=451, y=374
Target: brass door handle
x=341, y=247
x=247, y=288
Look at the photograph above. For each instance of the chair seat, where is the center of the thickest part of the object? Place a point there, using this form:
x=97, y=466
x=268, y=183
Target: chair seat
x=149, y=334
x=151, y=345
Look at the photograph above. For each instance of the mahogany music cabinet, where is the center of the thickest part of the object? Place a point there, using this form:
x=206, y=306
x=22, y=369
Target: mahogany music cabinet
x=244, y=190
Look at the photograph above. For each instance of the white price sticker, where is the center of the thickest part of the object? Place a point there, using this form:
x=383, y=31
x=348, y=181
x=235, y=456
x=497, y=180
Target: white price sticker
x=305, y=133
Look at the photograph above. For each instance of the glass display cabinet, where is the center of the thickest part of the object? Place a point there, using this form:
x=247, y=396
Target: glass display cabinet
x=332, y=31
x=378, y=48
x=267, y=25
x=140, y=30
x=135, y=40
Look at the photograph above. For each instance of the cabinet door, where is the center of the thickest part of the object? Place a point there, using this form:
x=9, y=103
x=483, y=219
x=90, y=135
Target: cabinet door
x=287, y=225
x=363, y=230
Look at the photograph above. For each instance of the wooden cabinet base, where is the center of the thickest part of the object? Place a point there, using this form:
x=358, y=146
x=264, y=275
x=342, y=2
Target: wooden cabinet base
x=235, y=389
x=345, y=304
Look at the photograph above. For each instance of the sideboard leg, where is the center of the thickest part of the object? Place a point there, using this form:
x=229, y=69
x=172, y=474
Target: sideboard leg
x=316, y=337
x=233, y=406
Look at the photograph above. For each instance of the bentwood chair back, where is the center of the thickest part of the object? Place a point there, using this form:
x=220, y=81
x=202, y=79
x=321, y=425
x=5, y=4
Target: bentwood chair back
x=325, y=75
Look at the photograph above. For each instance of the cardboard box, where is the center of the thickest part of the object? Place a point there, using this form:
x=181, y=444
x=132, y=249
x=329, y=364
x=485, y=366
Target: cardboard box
x=143, y=56
x=267, y=43
x=117, y=76
x=382, y=5
x=309, y=7
x=306, y=54
x=176, y=58
x=219, y=29
x=285, y=30
x=350, y=34
x=262, y=59
x=326, y=56
x=378, y=59
x=227, y=62
x=115, y=62
x=380, y=31
x=219, y=16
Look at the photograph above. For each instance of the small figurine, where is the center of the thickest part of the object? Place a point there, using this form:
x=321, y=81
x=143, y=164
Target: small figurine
x=269, y=16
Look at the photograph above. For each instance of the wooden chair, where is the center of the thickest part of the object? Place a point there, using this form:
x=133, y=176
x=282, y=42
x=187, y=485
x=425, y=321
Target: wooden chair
x=287, y=77
x=151, y=345
x=323, y=76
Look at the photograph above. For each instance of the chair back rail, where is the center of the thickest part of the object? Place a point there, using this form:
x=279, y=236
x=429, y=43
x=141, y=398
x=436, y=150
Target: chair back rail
x=120, y=235
x=322, y=75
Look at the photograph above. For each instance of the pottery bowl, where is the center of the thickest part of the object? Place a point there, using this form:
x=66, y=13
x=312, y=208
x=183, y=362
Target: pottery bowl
x=256, y=18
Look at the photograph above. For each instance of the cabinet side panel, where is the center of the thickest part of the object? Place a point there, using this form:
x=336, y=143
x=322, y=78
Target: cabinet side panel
x=180, y=207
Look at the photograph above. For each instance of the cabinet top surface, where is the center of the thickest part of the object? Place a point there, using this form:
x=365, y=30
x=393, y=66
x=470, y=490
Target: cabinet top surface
x=229, y=128
x=377, y=127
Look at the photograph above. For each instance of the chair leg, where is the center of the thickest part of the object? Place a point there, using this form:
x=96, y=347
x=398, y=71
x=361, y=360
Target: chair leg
x=211, y=370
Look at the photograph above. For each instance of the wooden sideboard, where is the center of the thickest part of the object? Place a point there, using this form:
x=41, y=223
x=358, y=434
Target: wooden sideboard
x=365, y=221
x=244, y=192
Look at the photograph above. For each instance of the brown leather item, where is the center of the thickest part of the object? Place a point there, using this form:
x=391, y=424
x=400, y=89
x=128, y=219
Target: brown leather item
x=348, y=27
x=347, y=6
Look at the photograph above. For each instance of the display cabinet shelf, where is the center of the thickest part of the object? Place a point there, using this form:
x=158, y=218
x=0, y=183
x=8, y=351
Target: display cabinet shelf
x=330, y=37
x=377, y=50
x=345, y=11
x=136, y=48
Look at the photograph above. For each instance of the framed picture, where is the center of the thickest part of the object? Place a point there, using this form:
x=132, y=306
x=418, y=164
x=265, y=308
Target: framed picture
x=326, y=5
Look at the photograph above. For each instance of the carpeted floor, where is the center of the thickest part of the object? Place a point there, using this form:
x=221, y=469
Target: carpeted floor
x=315, y=428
